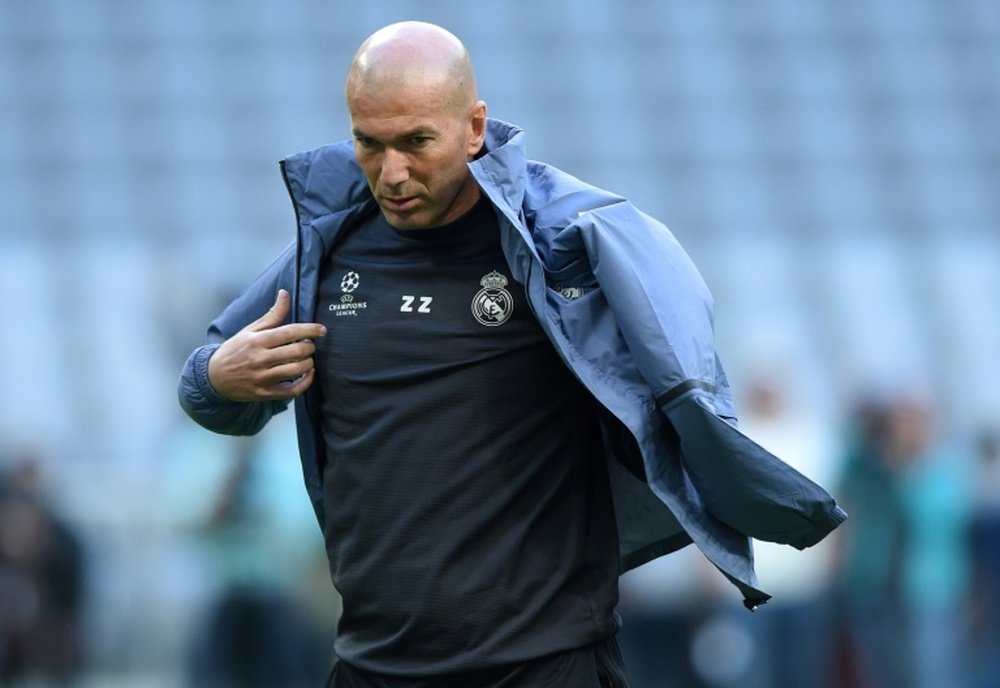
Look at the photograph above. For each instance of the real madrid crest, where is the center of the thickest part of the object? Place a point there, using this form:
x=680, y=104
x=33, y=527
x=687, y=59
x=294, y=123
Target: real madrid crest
x=493, y=305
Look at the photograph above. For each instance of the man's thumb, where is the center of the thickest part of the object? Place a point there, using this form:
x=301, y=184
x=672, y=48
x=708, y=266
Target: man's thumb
x=277, y=314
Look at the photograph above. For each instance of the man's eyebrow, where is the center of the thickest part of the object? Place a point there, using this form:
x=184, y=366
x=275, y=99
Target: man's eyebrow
x=416, y=131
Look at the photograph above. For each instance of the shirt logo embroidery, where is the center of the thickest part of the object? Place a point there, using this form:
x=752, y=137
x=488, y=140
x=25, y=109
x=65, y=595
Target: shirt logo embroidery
x=350, y=282
x=493, y=305
x=348, y=306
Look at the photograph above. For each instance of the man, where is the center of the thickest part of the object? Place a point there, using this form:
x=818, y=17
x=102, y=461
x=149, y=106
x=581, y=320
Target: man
x=505, y=386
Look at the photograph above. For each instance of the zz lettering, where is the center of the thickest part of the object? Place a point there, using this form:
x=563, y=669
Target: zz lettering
x=424, y=307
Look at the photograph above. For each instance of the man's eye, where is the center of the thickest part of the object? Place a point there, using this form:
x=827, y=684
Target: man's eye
x=418, y=141
x=365, y=142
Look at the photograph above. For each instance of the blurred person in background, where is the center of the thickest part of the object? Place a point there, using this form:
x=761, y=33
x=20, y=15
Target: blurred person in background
x=241, y=602
x=681, y=629
x=244, y=601
x=662, y=604
x=259, y=630
x=675, y=617
x=984, y=543
x=41, y=581
x=455, y=433
x=792, y=635
x=905, y=564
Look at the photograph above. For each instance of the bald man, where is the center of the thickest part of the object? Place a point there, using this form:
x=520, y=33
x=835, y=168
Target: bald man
x=506, y=391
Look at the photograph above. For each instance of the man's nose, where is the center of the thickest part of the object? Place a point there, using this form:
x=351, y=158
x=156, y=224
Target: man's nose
x=394, y=168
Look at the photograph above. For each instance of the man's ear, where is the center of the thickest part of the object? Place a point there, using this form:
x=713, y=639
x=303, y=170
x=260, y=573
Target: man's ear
x=477, y=127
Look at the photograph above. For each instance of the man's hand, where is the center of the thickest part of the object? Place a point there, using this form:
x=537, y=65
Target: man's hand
x=266, y=360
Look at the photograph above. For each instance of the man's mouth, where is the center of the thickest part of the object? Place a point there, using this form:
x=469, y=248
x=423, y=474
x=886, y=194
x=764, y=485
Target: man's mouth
x=400, y=203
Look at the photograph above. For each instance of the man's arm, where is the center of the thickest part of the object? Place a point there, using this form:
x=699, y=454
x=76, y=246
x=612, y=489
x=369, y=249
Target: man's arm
x=266, y=360
x=665, y=314
x=235, y=387
x=250, y=369
x=211, y=410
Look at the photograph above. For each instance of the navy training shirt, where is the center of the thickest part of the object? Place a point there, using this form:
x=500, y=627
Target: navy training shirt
x=468, y=513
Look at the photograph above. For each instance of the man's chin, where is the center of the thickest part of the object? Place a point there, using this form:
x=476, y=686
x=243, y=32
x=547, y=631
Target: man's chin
x=406, y=220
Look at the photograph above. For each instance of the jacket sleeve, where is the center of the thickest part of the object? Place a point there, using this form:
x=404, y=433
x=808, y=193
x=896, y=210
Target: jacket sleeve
x=665, y=315
x=194, y=390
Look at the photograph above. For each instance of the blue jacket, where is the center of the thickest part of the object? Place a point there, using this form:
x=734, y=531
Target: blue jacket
x=628, y=313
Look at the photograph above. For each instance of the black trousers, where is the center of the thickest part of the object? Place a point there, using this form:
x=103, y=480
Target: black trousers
x=593, y=666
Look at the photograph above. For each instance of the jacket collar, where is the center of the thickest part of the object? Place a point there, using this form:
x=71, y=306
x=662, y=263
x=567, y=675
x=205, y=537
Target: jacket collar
x=328, y=180
x=324, y=181
x=500, y=171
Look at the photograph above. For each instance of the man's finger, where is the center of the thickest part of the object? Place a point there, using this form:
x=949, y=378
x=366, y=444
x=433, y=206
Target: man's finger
x=288, y=389
x=276, y=315
x=286, y=334
x=285, y=373
x=298, y=350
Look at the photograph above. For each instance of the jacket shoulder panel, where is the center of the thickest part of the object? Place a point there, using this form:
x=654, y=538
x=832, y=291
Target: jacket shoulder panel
x=554, y=199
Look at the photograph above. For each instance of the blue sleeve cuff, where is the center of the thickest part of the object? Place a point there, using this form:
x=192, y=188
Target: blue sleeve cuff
x=199, y=368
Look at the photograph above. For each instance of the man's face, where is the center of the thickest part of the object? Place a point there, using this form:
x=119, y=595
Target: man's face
x=413, y=145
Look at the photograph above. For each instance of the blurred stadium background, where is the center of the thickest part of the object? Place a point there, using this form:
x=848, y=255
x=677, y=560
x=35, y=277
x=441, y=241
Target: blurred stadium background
x=833, y=168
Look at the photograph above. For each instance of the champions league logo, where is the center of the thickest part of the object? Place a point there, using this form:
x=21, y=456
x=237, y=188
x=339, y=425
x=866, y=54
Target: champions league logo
x=493, y=305
x=347, y=285
x=347, y=305
x=350, y=282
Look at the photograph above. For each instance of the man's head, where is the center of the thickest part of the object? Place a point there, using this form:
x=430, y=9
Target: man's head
x=416, y=121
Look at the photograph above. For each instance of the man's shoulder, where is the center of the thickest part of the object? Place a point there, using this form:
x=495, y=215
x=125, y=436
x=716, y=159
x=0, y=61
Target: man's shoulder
x=555, y=198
